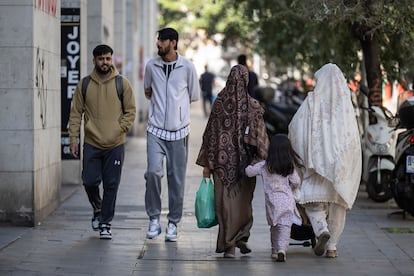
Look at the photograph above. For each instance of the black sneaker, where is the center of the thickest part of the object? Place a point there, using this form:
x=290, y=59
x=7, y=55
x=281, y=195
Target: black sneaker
x=281, y=256
x=105, y=233
x=95, y=221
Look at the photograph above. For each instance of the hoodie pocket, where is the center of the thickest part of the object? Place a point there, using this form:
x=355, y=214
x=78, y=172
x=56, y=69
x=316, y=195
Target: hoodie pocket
x=112, y=133
x=104, y=133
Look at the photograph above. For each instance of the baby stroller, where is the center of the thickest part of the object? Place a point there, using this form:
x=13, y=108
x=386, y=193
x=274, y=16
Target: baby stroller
x=303, y=232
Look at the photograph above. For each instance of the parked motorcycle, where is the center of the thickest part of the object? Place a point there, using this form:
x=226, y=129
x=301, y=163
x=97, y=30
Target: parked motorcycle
x=278, y=114
x=402, y=186
x=379, y=142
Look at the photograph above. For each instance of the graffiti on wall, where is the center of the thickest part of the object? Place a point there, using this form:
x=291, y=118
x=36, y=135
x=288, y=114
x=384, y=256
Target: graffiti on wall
x=48, y=6
x=40, y=84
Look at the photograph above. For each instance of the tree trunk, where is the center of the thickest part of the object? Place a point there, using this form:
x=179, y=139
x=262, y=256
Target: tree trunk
x=370, y=50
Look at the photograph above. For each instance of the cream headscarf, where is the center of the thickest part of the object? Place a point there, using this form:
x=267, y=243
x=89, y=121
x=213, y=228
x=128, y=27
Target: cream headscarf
x=325, y=134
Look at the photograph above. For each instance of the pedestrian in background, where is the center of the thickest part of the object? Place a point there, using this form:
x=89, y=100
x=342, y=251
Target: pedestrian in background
x=171, y=84
x=325, y=134
x=106, y=122
x=234, y=135
x=280, y=182
x=253, y=80
x=206, y=84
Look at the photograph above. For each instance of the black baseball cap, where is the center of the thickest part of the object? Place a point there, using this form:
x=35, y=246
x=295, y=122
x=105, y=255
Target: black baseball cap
x=168, y=33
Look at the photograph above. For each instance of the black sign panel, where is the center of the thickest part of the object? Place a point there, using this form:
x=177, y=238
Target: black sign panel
x=69, y=70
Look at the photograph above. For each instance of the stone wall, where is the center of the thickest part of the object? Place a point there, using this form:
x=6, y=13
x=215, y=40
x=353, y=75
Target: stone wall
x=32, y=172
x=29, y=101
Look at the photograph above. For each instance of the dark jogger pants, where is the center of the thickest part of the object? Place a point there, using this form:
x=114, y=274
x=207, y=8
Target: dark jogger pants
x=102, y=166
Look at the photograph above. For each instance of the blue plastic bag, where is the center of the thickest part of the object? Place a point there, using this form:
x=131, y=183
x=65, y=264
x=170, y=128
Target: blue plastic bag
x=204, y=205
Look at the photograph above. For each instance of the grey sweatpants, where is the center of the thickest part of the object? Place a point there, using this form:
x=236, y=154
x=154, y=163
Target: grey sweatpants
x=175, y=153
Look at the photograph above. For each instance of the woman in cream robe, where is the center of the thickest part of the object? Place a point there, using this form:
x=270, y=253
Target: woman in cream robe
x=324, y=133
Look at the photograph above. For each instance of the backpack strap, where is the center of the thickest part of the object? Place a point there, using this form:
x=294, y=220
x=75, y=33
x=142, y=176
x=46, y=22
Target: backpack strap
x=118, y=85
x=120, y=89
x=85, y=82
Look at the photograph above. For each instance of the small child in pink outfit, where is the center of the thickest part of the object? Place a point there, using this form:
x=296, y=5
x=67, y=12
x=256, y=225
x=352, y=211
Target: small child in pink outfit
x=280, y=182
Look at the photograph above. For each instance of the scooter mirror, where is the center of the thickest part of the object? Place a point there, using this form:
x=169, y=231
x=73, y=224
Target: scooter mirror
x=387, y=113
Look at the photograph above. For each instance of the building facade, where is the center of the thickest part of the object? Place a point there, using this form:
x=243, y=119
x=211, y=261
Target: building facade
x=46, y=48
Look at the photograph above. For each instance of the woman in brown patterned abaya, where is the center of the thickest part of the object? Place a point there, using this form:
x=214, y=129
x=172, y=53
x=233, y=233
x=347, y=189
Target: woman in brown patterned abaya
x=235, y=135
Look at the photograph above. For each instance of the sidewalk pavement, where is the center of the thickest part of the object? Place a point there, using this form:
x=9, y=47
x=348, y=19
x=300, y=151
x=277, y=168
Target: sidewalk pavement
x=373, y=243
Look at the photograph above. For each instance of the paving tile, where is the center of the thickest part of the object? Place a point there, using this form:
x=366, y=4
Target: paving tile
x=64, y=244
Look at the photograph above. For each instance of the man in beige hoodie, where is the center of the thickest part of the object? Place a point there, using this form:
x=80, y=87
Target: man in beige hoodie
x=108, y=116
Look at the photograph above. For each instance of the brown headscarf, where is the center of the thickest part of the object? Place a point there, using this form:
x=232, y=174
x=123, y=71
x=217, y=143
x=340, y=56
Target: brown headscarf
x=235, y=128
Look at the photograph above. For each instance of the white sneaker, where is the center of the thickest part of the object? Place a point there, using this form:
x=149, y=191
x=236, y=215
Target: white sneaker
x=95, y=222
x=105, y=233
x=154, y=229
x=171, y=233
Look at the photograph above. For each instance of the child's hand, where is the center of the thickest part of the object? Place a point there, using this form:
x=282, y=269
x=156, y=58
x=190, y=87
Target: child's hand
x=296, y=194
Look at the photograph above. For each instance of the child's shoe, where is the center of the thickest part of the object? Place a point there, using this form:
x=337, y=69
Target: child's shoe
x=281, y=256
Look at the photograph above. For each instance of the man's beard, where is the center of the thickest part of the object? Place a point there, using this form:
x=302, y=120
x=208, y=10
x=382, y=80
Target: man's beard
x=103, y=72
x=162, y=53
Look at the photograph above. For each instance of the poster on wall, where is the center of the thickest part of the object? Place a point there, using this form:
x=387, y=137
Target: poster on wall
x=69, y=70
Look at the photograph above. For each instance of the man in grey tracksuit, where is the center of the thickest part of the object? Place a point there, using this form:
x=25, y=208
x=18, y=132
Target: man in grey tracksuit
x=171, y=84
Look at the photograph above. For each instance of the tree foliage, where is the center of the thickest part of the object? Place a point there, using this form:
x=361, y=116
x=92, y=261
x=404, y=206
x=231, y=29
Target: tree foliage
x=308, y=33
x=317, y=31
x=214, y=16
x=320, y=31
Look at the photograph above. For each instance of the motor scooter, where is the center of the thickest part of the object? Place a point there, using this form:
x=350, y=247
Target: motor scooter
x=402, y=186
x=278, y=114
x=378, y=147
